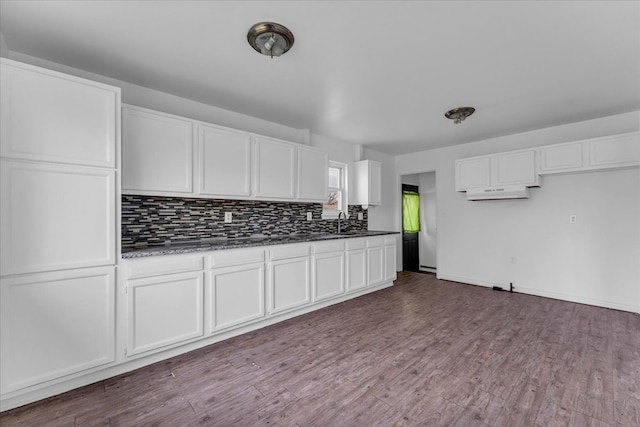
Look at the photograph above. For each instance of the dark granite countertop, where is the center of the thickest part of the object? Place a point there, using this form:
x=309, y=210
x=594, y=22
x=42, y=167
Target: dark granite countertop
x=244, y=242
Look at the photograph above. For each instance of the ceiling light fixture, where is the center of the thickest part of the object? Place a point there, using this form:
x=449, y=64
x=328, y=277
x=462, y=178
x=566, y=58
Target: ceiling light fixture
x=459, y=114
x=269, y=38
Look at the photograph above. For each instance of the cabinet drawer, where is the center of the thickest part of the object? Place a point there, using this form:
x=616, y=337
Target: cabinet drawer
x=390, y=240
x=286, y=252
x=235, y=257
x=330, y=246
x=137, y=269
x=375, y=242
x=355, y=244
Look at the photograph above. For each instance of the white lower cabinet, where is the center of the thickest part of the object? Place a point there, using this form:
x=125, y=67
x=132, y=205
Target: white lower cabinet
x=328, y=270
x=356, y=260
x=55, y=324
x=234, y=295
x=390, y=258
x=289, y=279
x=164, y=311
x=375, y=261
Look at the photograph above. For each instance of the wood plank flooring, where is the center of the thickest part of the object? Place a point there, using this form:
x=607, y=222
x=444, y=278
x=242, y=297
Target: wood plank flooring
x=424, y=352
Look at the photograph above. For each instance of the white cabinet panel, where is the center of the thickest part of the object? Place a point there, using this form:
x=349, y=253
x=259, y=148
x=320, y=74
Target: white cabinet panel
x=356, y=269
x=473, y=173
x=157, y=152
x=313, y=167
x=225, y=162
x=375, y=264
x=368, y=186
x=235, y=296
x=328, y=275
x=561, y=158
x=274, y=169
x=55, y=324
x=289, y=284
x=390, y=262
x=164, y=311
x=515, y=168
x=617, y=151
x=56, y=217
x=49, y=116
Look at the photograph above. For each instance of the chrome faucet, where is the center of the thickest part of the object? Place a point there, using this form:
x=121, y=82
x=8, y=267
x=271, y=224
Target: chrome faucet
x=341, y=214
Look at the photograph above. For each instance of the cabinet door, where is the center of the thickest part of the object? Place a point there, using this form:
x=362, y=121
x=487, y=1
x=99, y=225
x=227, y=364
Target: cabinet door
x=56, y=217
x=328, y=275
x=274, y=169
x=313, y=169
x=561, y=158
x=289, y=284
x=473, y=173
x=157, y=152
x=617, y=151
x=375, y=183
x=375, y=263
x=515, y=168
x=225, y=162
x=164, y=311
x=54, y=117
x=55, y=324
x=235, y=295
x=356, y=269
x=390, y=262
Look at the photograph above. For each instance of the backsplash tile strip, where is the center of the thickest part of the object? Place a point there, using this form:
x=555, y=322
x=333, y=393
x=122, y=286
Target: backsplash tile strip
x=153, y=220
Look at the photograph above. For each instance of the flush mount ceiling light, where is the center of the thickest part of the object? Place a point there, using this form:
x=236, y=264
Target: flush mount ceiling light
x=270, y=39
x=459, y=114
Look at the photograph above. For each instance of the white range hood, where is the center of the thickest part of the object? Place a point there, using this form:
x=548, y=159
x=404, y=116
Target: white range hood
x=498, y=193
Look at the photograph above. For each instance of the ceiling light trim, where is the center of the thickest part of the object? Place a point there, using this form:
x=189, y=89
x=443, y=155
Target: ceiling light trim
x=270, y=39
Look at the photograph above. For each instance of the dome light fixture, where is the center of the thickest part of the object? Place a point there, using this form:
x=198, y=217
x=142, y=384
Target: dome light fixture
x=269, y=38
x=459, y=114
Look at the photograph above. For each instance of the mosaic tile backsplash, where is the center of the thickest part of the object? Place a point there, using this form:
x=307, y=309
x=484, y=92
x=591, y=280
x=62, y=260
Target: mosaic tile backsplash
x=152, y=220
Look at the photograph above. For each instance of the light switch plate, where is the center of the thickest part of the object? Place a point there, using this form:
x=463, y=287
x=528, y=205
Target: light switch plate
x=309, y=216
x=360, y=216
x=228, y=217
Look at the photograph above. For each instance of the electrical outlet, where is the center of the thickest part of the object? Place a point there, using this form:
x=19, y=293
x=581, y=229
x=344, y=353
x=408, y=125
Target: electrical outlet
x=228, y=217
x=309, y=216
x=572, y=219
x=360, y=216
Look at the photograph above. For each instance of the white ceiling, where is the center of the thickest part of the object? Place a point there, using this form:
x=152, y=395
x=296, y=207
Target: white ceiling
x=378, y=73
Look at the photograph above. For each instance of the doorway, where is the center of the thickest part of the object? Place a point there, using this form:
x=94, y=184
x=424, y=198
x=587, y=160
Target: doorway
x=419, y=242
x=410, y=227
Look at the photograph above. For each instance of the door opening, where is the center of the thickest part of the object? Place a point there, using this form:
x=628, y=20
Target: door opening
x=410, y=227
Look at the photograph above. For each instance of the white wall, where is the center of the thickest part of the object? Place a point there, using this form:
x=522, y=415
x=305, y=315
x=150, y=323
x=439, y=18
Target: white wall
x=530, y=242
x=428, y=220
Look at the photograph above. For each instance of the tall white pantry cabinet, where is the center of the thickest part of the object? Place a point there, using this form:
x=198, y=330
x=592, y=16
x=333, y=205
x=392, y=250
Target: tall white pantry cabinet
x=59, y=227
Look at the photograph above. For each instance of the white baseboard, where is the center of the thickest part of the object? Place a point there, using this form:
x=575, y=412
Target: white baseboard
x=547, y=294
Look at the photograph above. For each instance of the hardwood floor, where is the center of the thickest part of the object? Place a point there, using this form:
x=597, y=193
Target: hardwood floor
x=424, y=352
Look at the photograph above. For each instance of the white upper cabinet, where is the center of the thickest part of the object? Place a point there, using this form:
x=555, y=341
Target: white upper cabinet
x=609, y=152
x=313, y=166
x=225, y=162
x=53, y=117
x=616, y=151
x=274, y=169
x=561, y=158
x=368, y=177
x=56, y=217
x=162, y=156
x=473, y=173
x=513, y=168
x=157, y=152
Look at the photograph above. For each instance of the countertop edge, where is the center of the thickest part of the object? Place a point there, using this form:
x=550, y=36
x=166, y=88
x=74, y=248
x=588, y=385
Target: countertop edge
x=200, y=246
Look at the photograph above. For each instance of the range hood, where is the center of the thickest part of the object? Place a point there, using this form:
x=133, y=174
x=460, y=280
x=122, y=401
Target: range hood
x=498, y=193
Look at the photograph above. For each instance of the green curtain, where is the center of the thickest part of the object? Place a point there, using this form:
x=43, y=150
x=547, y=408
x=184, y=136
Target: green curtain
x=410, y=212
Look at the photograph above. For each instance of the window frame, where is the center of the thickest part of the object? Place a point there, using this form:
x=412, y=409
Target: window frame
x=344, y=178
